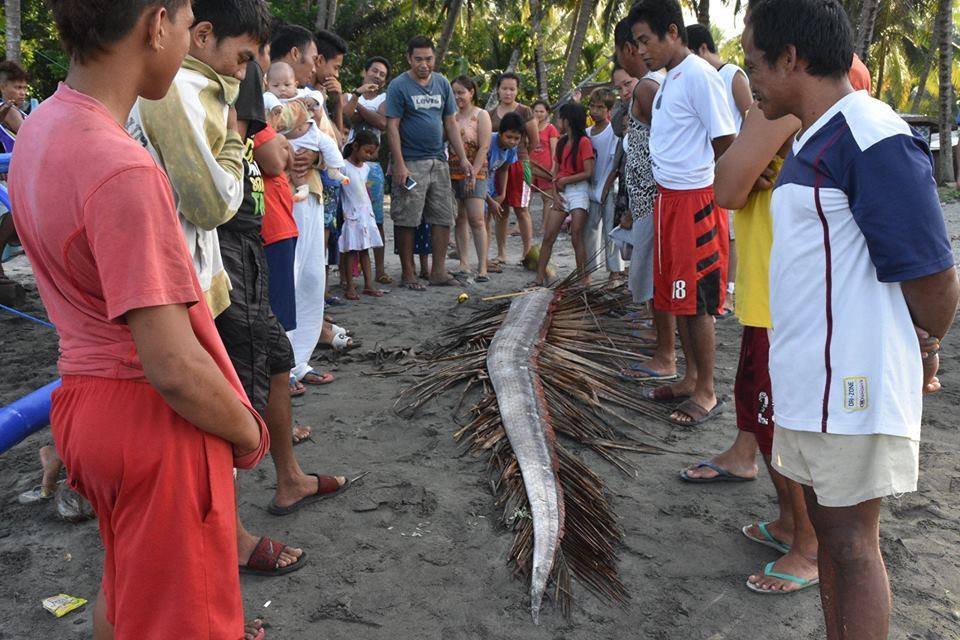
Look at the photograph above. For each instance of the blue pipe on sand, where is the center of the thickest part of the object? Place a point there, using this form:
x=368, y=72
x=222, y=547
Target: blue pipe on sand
x=25, y=416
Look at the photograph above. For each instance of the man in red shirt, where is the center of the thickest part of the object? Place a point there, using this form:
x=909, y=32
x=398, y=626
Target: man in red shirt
x=151, y=418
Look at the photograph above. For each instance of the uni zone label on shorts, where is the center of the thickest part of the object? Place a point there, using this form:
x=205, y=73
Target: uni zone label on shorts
x=855, y=393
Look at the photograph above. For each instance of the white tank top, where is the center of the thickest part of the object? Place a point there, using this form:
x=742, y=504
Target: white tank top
x=728, y=72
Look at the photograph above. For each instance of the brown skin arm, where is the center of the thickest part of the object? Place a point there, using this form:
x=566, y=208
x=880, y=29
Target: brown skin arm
x=749, y=156
x=932, y=301
x=272, y=156
x=742, y=96
x=720, y=145
x=11, y=117
x=376, y=118
x=577, y=177
x=400, y=171
x=187, y=378
x=643, y=95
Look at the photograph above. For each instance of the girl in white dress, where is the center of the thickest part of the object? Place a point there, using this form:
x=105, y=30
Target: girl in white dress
x=359, y=232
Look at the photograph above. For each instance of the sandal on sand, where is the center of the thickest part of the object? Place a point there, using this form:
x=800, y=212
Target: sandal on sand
x=265, y=560
x=296, y=388
x=636, y=372
x=494, y=267
x=663, y=394
x=483, y=279
x=697, y=414
x=351, y=295
x=317, y=379
x=38, y=494
x=770, y=573
x=768, y=539
x=722, y=475
x=413, y=286
x=375, y=293
x=327, y=487
x=451, y=282
x=384, y=279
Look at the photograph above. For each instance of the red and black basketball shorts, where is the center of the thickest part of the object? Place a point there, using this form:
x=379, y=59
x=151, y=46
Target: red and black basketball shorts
x=690, y=252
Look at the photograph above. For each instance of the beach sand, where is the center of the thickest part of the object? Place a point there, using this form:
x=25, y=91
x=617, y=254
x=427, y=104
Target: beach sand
x=414, y=550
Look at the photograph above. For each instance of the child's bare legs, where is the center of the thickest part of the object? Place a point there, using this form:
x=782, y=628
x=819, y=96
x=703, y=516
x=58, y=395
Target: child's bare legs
x=52, y=465
x=525, y=224
x=346, y=273
x=369, y=284
x=473, y=210
x=460, y=236
x=502, y=225
x=378, y=254
x=577, y=226
x=425, y=267
x=553, y=219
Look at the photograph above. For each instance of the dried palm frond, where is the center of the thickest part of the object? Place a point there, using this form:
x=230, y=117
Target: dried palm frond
x=577, y=362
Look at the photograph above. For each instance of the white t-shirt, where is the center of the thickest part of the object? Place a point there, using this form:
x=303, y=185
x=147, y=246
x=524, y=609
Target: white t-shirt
x=728, y=72
x=605, y=151
x=372, y=104
x=855, y=213
x=689, y=112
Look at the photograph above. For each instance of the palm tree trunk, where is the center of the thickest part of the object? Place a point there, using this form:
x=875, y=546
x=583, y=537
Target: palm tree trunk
x=449, y=26
x=321, y=21
x=703, y=12
x=868, y=19
x=536, y=20
x=331, y=13
x=945, y=31
x=881, y=72
x=12, y=12
x=576, y=44
x=927, y=67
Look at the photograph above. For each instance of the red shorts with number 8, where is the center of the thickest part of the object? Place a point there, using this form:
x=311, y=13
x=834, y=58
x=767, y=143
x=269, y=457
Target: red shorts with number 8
x=690, y=252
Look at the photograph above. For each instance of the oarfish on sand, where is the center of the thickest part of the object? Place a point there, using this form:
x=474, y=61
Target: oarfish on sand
x=512, y=366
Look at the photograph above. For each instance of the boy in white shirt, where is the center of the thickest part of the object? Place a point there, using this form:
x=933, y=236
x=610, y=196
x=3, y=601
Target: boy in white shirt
x=602, y=214
x=691, y=125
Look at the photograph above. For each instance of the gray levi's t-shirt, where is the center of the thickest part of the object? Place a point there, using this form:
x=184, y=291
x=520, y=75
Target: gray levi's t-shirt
x=421, y=110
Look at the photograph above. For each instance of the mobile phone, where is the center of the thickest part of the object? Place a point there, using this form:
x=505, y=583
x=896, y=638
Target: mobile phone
x=410, y=184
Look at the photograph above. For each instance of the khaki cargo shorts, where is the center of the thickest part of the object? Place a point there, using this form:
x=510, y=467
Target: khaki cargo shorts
x=431, y=201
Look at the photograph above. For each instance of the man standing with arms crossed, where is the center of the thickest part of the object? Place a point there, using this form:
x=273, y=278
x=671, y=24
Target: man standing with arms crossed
x=420, y=108
x=861, y=267
x=691, y=125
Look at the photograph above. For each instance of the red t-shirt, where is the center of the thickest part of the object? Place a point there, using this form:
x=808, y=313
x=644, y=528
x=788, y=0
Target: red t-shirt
x=540, y=154
x=572, y=165
x=278, y=221
x=103, y=237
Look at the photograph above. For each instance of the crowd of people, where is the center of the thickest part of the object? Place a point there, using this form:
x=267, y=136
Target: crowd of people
x=187, y=271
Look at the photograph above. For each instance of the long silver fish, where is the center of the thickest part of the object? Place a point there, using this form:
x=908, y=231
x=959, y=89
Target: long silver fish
x=512, y=366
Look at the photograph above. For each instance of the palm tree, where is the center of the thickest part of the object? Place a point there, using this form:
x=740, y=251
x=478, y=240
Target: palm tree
x=540, y=64
x=945, y=31
x=583, y=18
x=865, y=26
x=12, y=12
x=449, y=25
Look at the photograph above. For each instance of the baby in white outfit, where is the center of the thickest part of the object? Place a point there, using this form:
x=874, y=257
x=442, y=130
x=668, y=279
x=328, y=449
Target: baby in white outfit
x=282, y=88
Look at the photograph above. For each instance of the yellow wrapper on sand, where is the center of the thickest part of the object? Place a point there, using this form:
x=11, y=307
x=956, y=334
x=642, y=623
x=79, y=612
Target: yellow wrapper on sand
x=62, y=604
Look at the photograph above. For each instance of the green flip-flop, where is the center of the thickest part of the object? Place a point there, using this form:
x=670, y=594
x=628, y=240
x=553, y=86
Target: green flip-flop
x=768, y=539
x=770, y=573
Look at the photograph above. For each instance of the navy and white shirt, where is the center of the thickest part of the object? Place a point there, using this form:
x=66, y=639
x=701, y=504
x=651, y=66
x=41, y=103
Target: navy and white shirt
x=856, y=212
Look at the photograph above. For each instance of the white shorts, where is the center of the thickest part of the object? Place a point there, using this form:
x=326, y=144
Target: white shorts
x=846, y=470
x=576, y=196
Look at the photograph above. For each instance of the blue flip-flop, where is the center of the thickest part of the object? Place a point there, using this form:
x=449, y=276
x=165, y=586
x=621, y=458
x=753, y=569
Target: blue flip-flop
x=722, y=474
x=649, y=375
x=768, y=539
x=770, y=573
